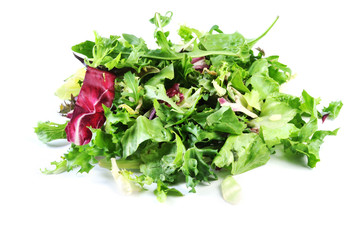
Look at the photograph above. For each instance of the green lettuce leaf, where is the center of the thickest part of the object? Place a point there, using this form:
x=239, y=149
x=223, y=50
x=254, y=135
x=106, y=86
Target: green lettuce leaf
x=260, y=79
x=274, y=121
x=309, y=104
x=60, y=166
x=242, y=153
x=71, y=86
x=224, y=120
x=49, y=131
x=333, y=109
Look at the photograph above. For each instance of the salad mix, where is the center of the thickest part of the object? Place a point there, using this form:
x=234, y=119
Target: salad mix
x=182, y=112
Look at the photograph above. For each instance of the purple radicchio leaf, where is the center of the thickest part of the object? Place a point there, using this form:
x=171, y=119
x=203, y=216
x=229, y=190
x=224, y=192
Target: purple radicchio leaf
x=97, y=89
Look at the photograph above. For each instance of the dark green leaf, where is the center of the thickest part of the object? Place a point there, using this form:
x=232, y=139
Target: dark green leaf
x=85, y=48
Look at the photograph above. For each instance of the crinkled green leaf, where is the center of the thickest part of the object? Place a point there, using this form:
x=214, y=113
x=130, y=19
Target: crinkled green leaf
x=242, y=153
x=333, y=109
x=278, y=71
x=163, y=190
x=162, y=165
x=310, y=148
x=195, y=168
x=309, y=104
x=60, y=167
x=79, y=156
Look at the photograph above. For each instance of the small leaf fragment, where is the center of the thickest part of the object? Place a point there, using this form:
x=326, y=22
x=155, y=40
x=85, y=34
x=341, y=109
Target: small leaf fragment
x=231, y=190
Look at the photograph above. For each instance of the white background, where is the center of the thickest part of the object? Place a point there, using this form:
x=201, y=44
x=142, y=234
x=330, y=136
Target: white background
x=319, y=40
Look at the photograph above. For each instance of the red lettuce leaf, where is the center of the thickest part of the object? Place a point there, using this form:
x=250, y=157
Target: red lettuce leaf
x=199, y=63
x=171, y=92
x=97, y=89
x=174, y=90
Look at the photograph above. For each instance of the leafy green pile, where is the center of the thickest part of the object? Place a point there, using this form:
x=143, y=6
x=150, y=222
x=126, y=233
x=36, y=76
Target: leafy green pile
x=227, y=116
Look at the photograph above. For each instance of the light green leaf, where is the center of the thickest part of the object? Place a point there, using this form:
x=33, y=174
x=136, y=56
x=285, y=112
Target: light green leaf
x=231, y=190
x=242, y=153
x=253, y=99
x=309, y=104
x=49, y=131
x=71, y=86
x=333, y=109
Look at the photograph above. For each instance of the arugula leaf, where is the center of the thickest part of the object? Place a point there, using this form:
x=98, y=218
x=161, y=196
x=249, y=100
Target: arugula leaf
x=142, y=130
x=85, y=48
x=102, y=48
x=166, y=73
x=252, y=42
